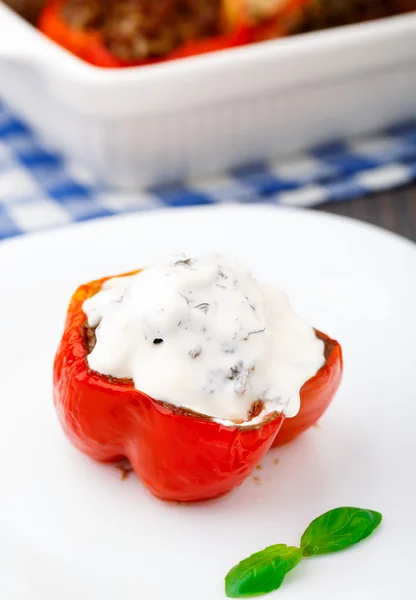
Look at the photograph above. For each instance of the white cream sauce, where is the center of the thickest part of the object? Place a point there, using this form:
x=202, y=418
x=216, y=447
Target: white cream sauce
x=203, y=334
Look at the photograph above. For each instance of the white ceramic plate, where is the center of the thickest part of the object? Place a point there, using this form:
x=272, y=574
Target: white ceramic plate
x=70, y=529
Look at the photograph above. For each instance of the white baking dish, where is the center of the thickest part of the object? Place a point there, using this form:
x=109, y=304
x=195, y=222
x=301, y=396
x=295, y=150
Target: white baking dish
x=163, y=122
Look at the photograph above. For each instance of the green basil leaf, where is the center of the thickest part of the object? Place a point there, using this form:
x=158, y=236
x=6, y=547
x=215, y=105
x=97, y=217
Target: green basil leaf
x=261, y=572
x=338, y=529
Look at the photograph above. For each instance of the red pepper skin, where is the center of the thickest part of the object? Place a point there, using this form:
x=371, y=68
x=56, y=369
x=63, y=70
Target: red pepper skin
x=89, y=45
x=178, y=456
x=315, y=395
x=86, y=44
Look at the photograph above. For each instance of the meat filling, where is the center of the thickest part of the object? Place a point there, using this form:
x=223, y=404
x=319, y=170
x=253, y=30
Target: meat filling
x=135, y=30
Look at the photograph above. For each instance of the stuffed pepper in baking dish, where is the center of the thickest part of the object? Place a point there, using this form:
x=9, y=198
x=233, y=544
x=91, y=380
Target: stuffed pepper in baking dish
x=188, y=368
x=119, y=33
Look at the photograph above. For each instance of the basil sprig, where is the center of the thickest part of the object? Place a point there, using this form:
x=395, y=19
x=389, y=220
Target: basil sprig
x=262, y=572
x=335, y=530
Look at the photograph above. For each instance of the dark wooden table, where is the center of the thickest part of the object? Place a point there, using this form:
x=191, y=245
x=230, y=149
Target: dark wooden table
x=394, y=210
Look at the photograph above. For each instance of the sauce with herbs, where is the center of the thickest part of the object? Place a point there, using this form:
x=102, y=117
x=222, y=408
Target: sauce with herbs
x=203, y=334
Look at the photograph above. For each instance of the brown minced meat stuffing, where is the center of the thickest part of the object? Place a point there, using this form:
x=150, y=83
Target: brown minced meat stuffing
x=135, y=30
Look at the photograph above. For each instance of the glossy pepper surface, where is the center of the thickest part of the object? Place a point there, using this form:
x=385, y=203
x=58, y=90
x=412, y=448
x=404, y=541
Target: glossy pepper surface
x=178, y=455
x=316, y=394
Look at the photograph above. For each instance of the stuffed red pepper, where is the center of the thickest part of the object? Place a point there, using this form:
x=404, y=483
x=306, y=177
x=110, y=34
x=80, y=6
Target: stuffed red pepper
x=121, y=33
x=188, y=368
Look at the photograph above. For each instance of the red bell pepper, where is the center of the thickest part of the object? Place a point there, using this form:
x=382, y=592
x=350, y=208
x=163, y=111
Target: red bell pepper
x=316, y=394
x=178, y=455
x=88, y=44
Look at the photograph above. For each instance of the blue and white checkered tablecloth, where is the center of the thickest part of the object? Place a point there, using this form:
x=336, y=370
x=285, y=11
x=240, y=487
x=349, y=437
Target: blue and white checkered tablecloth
x=39, y=189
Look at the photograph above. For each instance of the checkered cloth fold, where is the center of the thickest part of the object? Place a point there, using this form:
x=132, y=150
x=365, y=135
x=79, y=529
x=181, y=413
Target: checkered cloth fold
x=39, y=189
